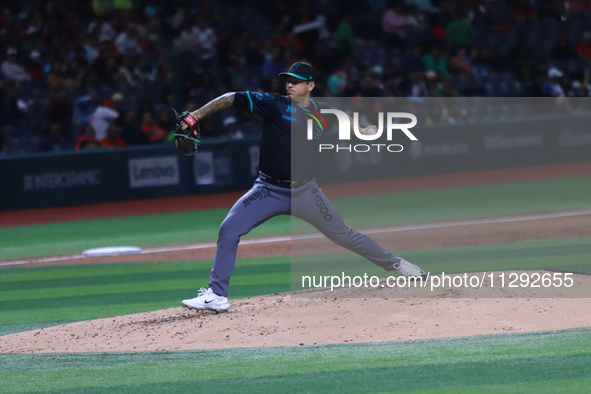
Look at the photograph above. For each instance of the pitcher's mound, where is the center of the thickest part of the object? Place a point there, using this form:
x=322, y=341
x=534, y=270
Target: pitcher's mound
x=292, y=320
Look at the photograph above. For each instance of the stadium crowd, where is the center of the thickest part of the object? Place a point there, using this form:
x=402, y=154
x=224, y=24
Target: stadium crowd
x=106, y=73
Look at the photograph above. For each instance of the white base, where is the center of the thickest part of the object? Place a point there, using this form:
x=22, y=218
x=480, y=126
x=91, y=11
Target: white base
x=112, y=251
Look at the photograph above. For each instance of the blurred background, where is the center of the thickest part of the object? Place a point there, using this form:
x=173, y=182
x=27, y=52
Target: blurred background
x=92, y=74
x=88, y=87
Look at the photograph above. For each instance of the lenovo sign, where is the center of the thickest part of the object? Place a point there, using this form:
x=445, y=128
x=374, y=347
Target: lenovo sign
x=154, y=171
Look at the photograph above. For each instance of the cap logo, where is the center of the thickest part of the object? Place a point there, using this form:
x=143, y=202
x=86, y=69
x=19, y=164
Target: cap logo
x=294, y=67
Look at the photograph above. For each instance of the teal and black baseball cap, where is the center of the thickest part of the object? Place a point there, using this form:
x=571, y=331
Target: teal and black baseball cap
x=301, y=70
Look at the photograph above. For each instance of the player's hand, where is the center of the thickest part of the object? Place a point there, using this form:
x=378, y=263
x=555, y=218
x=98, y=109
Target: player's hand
x=183, y=123
x=187, y=135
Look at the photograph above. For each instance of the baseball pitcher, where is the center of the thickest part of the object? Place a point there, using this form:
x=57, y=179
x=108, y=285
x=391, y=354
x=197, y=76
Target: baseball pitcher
x=279, y=189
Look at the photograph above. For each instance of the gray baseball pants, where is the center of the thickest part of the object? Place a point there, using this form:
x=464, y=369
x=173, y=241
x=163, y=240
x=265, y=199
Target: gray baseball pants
x=264, y=201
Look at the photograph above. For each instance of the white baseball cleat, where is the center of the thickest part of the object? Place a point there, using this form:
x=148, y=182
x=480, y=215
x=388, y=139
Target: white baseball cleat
x=405, y=268
x=207, y=299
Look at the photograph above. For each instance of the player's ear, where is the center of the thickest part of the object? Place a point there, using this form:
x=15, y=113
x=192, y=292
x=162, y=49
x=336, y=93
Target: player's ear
x=311, y=86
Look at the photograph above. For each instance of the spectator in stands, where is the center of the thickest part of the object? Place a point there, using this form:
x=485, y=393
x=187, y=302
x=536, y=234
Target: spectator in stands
x=131, y=131
x=73, y=73
x=147, y=105
x=337, y=82
x=394, y=24
x=580, y=89
x=118, y=104
x=486, y=63
x=103, y=116
x=198, y=36
x=86, y=139
x=125, y=71
x=79, y=57
x=177, y=20
x=562, y=49
x=536, y=89
x=17, y=108
x=479, y=65
x=11, y=70
x=346, y=40
x=459, y=32
x=34, y=66
x=106, y=28
x=143, y=72
x=523, y=58
x=414, y=61
x=523, y=12
x=57, y=78
x=273, y=64
x=61, y=46
x=166, y=123
x=583, y=48
x=371, y=84
x=461, y=64
x=446, y=89
x=553, y=86
x=103, y=71
x=435, y=61
x=205, y=36
x=414, y=17
x=576, y=6
x=127, y=41
x=422, y=5
x=151, y=35
x=163, y=70
x=232, y=129
x=59, y=109
x=418, y=85
x=154, y=132
x=391, y=77
x=113, y=138
x=84, y=106
x=253, y=55
x=54, y=140
x=91, y=47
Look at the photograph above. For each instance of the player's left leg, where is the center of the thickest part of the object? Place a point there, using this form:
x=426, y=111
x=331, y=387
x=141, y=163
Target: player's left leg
x=310, y=204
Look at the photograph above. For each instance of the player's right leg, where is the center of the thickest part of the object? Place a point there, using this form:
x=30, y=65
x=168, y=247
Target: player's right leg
x=260, y=203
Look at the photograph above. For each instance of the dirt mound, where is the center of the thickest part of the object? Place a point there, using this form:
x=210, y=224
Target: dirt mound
x=318, y=318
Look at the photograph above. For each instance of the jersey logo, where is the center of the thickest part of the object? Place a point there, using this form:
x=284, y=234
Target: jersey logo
x=263, y=96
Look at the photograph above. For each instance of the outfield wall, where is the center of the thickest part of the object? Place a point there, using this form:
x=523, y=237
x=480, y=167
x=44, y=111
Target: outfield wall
x=74, y=178
x=466, y=147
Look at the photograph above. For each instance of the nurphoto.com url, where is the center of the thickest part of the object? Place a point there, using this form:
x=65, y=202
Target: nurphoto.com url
x=443, y=280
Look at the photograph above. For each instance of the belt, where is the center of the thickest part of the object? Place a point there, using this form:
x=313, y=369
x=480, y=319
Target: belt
x=282, y=183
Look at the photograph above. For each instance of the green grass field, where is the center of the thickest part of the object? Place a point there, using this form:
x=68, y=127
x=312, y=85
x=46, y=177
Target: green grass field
x=548, y=362
x=34, y=297
x=381, y=210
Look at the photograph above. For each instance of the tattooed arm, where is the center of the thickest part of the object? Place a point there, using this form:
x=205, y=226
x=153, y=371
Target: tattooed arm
x=217, y=104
